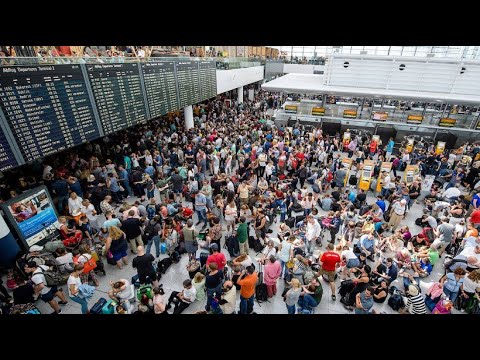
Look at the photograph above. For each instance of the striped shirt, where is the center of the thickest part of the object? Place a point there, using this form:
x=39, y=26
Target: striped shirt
x=418, y=304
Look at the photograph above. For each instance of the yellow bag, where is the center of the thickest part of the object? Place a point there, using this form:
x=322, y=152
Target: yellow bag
x=290, y=264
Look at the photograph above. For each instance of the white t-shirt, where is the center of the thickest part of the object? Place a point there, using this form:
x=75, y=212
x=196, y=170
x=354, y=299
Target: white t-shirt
x=74, y=206
x=190, y=294
x=38, y=278
x=230, y=186
x=452, y=192
x=269, y=252
x=88, y=211
x=65, y=259
x=469, y=285
x=349, y=254
x=72, y=280
x=247, y=262
x=46, y=170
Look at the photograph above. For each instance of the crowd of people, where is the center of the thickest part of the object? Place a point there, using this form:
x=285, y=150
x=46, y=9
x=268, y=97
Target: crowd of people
x=236, y=185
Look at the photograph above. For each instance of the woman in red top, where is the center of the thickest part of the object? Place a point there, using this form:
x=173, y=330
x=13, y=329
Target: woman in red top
x=373, y=148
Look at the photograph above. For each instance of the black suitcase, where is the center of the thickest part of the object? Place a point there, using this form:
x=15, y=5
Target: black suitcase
x=353, y=180
x=97, y=308
x=299, y=218
x=203, y=259
x=290, y=222
x=233, y=247
x=163, y=265
x=251, y=242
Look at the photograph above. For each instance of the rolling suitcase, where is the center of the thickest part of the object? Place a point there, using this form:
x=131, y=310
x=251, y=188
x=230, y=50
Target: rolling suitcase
x=98, y=307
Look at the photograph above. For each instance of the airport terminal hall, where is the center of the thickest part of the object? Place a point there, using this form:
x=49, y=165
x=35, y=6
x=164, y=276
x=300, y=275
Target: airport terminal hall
x=221, y=180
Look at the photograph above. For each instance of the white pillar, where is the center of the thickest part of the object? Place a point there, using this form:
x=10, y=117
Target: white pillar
x=240, y=95
x=188, y=112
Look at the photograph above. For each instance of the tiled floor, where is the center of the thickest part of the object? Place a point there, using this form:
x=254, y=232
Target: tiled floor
x=175, y=275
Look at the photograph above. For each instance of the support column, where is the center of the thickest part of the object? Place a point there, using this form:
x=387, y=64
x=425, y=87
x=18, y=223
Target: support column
x=240, y=95
x=8, y=246
x=188, y=112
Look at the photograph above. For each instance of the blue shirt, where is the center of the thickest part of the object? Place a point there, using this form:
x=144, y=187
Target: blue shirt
x=390, y=145
x=366, y=242
x=150, y=170
x=296, y=132
x=477, y=197
x=75, y=187
x=124, y=176
x=352, y=196
x=60, y=187
x=114, y=185
x=381, y=205
x=366, y=304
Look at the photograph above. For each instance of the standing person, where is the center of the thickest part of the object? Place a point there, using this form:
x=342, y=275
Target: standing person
x=216, y=257
x=124, y=180
x=74, y=282
x=312, y=233
x=285, y=254
x=452, y=282
x=177, y=181
x=133, y=229
x=308, y=203
x=292, y=295
x=247, y=280
x=330, y=261
x=364, y=301
x=272, y=272
x=113, y=187
x=144, y=265
x=117, y=244
x=213, y=283
x=189, y=237
x=397, y=214
x=40, y=286
x=260, y=226
x=60, y=188
x=230, y=215
x=182, y=299
x=389, y=149
x=242, y=236
x=200, y=209
x=229, y=298
x=152, y=233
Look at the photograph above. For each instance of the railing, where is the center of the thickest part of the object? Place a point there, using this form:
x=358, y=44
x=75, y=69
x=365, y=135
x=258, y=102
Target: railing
x=222, y=63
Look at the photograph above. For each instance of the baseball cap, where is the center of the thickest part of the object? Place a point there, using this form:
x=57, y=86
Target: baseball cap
x=36, y=248
x=214, y=247
x=32, y=264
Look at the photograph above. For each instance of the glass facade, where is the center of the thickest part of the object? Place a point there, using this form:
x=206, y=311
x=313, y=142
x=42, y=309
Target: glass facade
x=314, y=52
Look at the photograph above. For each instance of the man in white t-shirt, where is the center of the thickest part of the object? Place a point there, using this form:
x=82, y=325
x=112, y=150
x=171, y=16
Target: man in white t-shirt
x=182, y=299
x=452, y=193
x=47, y=293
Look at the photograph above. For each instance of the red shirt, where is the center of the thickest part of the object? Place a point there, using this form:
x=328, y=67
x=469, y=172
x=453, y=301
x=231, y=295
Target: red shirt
x=218, y=258
x=475, y=219
x=300, y=156
x=329, y=260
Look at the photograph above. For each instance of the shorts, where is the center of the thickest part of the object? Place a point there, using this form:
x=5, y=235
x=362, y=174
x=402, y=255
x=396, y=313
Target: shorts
x=50, y=295
x=177, y=191
x=330, y=274
x=353, y=263
x=117, y=256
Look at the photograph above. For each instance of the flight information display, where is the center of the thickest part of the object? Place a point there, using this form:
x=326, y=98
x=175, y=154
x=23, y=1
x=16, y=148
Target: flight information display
x=188, y=83
x=7, y=159
x=160, y=86
x=118, y=95
x=47, y=108
x=208, y=79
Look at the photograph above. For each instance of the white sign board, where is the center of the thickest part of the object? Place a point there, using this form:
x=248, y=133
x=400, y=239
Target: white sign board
x=427, y=183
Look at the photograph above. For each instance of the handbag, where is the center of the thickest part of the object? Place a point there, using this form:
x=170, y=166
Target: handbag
x=89, y=265
x=290, y=264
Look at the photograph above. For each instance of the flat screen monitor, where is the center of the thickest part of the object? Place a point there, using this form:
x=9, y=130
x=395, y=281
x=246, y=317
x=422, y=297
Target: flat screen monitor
x=32, y=215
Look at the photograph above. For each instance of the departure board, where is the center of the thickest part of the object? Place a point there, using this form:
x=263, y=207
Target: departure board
x=208, y=79
x=188, y=85
x=7, y=159
x=47, y=108
x=118, y=95
x=160, y=86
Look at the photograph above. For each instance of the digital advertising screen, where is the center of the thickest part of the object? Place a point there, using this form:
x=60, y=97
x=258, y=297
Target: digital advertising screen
x=351, y=114
x=381, y=116
x=32, y=214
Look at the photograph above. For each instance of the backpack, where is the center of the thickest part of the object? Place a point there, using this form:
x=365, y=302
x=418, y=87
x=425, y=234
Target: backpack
x=396, y=301
x=145, y=290
x=151, y=211
x=329, y=176
x=175, y=256
x=149, y=231
x=53, y=278
x=232, y=246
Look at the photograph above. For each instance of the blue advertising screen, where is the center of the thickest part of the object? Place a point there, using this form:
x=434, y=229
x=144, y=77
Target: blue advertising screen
x=34, y=216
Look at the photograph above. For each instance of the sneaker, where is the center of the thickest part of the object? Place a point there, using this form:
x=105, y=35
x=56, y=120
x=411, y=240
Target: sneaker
x=55, y=313
x=334, y=298
x=63, y=302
